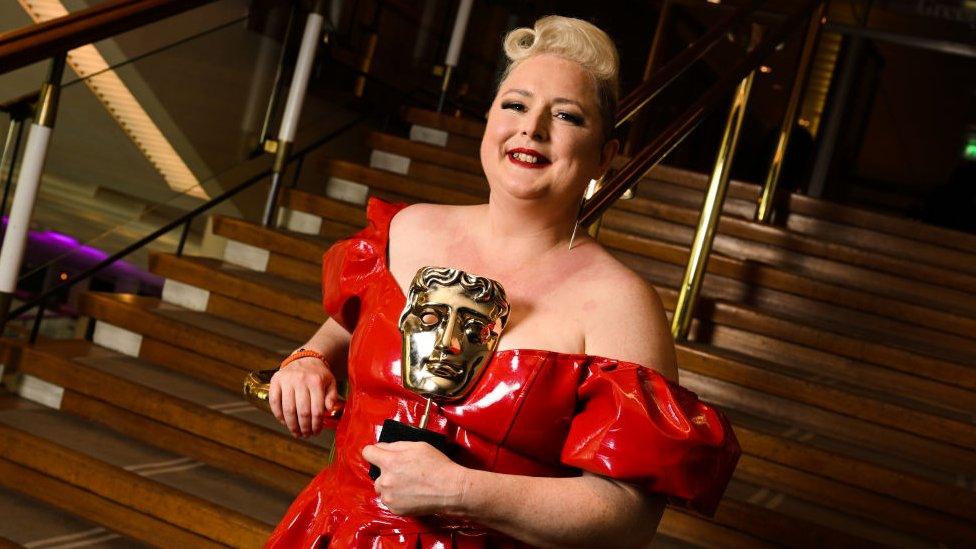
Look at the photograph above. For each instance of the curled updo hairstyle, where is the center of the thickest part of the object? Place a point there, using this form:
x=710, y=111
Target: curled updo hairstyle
x=575, y=40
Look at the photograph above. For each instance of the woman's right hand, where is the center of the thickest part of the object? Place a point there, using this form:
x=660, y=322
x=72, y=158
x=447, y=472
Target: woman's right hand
x=300, y=395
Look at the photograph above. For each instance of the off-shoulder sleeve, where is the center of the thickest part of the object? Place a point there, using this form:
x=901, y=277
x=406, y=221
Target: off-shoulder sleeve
x=634, y=425
x=351, y=265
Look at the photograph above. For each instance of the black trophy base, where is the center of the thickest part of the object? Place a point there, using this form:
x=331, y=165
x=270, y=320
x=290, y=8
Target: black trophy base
x=393, y=431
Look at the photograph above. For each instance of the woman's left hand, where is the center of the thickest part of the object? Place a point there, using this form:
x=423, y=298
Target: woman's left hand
x=415, y=478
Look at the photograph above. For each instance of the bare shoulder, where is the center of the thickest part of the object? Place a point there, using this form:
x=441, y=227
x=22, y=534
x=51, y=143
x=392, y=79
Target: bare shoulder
x=422, y=219
x=627, y=319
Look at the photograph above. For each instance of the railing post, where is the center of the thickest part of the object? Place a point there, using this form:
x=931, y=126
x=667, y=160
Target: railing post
x=28, y=181
x=701, y=246
x=764, y=210
x=454, y=48
x=11, y=149
x=278, y=84
x=293, y=105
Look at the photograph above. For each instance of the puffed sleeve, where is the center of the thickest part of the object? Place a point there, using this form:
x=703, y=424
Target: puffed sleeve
x=634, y=425
x=351, y=265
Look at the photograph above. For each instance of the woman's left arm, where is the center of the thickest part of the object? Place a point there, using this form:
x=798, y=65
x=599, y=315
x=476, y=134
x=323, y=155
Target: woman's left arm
x=584, y=511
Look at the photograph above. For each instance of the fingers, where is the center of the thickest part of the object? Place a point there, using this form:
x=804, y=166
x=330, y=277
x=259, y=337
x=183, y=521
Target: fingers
x=331, y=395
x=376, y=453
x=274, y=398
x=303, y=410
x=317, y=407
x=289, y=412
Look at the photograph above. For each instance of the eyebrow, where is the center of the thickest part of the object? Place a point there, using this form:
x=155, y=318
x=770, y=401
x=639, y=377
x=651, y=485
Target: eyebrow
x=556, y=100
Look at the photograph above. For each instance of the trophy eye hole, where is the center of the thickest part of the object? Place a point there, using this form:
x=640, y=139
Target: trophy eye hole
x=476, y=331
x=430, y=317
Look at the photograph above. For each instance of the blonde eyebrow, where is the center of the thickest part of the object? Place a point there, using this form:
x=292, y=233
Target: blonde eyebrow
x=570, y=101
x=557, y=100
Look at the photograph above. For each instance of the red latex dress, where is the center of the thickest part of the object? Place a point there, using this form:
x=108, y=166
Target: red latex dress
x=533, y=412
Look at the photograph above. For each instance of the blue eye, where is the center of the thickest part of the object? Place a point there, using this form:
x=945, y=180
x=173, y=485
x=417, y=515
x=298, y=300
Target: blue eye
x=514, y=105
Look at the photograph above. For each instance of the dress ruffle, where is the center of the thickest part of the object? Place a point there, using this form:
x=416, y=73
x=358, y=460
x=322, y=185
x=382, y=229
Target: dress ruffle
x=636, y=426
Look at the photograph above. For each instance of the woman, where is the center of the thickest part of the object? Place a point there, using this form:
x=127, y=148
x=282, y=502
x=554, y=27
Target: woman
x=588, y=447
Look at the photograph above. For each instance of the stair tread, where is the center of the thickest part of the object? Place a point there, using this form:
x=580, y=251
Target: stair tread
x=130, y=456
x=183, y=387
x=31, y=523
x=274, y=282
x=239, y=332
x=231, y=435
x=302, y=246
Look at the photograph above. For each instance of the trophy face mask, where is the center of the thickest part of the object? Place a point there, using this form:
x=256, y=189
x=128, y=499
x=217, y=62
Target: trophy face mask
x=450, y=327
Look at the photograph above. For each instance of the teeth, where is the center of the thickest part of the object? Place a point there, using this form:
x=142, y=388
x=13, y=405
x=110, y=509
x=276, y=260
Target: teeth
x=525, y=157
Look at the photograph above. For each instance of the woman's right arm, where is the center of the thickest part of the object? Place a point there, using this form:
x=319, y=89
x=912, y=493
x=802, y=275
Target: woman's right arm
x=301, y=393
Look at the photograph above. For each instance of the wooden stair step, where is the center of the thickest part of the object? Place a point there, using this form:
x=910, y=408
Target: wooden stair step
x=101, y=510
x=853, y=375
x=802, y=206
x=30, y=522
x=887, y=447
x=872, y=231
x=399, y=184
x=179, y=402
x=224, y=343
x=203, y=504
x=904, y=486
x=247, y=246
x=847, y=309
x=292, y=244
x=957, y=438
x=264, y=290
x=466, y=127
x=859, y=512
x=765, y=525
x=425, y=153
x=775, y=246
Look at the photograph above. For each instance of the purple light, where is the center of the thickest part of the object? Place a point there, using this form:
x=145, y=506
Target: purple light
x=70, y=255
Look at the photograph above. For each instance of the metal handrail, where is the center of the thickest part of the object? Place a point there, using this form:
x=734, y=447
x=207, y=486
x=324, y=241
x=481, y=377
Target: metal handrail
x=634, y=101
x=185, y=219
x=674, y=134
x=21, y=47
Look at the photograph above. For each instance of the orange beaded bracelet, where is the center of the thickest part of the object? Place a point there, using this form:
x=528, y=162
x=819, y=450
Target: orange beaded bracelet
x=302, y=353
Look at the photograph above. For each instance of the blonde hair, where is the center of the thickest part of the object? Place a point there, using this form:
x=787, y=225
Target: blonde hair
x=575, y=40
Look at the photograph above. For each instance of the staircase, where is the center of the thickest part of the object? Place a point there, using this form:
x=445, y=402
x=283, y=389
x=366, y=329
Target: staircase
x=841, y=346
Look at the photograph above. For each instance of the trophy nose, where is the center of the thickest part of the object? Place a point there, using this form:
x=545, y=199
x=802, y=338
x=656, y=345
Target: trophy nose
x=448, y=338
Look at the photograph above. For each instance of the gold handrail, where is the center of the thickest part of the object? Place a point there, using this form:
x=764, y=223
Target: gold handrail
x=740, y=76
x=764, y=209
x=701, y=245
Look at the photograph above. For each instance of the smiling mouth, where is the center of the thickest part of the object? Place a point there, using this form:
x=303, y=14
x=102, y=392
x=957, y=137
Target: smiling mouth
x=527, y=159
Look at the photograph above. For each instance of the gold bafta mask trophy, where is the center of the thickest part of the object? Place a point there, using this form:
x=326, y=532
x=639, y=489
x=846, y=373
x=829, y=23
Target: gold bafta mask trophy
x=450, y=327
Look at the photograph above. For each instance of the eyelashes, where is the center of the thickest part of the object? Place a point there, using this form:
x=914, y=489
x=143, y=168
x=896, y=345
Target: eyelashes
x=573, y=119
x=513, y=105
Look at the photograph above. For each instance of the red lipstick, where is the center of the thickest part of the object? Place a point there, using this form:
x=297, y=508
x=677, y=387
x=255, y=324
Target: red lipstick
x=538, y=160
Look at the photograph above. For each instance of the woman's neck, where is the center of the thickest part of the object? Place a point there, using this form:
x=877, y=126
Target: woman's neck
x=528, y=228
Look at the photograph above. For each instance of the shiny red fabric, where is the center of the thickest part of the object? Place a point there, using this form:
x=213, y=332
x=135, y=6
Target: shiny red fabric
x=533, y=412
